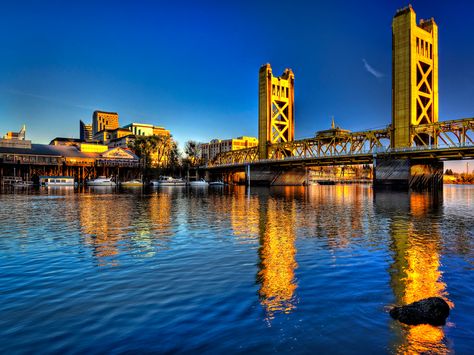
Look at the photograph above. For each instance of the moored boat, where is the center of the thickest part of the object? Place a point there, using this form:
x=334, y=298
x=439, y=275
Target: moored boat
x=200, y=182
x=326, y=182
x=56, y=180
x=168, y=181
x=101, y=181
x=216, y=183
x=132, y=183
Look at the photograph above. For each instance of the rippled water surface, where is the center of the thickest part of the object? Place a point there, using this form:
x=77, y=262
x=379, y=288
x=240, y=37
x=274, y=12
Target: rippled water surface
x=215, y=270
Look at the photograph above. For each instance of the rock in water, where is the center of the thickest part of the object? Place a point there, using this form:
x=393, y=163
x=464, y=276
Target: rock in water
x=433, y=310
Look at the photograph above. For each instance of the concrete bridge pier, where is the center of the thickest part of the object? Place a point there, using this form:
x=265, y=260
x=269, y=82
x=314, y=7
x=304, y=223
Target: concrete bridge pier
x=276, y=176
x=408, y=174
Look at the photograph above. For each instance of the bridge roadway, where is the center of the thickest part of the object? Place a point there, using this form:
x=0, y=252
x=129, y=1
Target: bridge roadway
x=414, y=153
x=454, y=140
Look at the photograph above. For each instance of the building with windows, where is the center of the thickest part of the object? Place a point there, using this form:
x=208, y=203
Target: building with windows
x=102, y=120
x=106, y=135
x=122, y=142
x=85, y=131
x=144, y=129
x=216, y=146
x=15, y=139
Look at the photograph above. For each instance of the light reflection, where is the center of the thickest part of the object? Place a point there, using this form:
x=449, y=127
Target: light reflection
x=244, y=216
x=277, y=257
x=349, y=205
x=138, y=227
x=415, y=272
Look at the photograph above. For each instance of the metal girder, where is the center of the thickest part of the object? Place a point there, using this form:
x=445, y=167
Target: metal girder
x=446, y=134
x=347, y=144
x=452, y=137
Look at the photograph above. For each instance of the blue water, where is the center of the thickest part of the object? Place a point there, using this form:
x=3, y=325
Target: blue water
x=214, y=270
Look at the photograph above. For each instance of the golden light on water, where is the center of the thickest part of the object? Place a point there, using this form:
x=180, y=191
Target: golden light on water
x=418, y=276
x=277, y=258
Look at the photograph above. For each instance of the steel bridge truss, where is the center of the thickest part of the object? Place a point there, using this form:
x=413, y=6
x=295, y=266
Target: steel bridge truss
x=352, y=143
x=439, y=135
x=446, y=134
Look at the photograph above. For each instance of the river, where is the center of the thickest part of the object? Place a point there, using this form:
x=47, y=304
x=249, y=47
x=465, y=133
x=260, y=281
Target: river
x=214, y=270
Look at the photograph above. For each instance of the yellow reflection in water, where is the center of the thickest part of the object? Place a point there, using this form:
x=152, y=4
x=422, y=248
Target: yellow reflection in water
x=244, y=216
x=348, y=204
x=417, y=275
x=100, y=227
x=278, y=257
x=110, y=223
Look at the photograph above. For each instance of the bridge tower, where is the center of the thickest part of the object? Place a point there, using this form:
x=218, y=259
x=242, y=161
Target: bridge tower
x=276, y=108
x=414, y=77
x=414, y=103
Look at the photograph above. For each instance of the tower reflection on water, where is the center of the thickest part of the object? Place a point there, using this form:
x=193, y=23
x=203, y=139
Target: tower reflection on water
x=142, y=226
x=415, y=272
x=277, y=255
x=272, y=220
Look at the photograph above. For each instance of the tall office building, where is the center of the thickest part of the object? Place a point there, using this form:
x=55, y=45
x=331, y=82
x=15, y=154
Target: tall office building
x=104, y=120
x=85, y=131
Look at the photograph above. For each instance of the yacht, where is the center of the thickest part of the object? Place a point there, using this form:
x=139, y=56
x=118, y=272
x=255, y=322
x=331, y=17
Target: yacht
x=101, y=181
x=168, y=181
x=216, y=183
x=56, y=181
x=132, y=183
x=200, y=182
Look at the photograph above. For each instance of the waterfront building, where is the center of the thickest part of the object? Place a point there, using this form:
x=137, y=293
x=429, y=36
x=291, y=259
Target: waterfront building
x=85, y=131
x=15, y=139
x=216, y=146
x=102, y=120
x=65, y=141
x=66, y=157
x=144, y=129
x=122, y=142
x=106, y=135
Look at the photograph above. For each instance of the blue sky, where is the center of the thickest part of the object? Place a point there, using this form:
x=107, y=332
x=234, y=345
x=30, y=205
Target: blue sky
x=193, y=66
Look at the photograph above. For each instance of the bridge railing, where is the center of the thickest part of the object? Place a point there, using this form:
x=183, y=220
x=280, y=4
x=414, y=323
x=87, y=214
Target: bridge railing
x=445, y=134
x=452, y=134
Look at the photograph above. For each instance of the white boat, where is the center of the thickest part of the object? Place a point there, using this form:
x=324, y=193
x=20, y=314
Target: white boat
x=23, y=183
x=101, y=181
x=56, y=180
x=131, y=183
x=216, y=183
x=168, y=181
x=200, y=182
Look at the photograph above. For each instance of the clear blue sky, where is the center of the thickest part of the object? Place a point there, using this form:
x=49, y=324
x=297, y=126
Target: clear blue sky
x=192, y=66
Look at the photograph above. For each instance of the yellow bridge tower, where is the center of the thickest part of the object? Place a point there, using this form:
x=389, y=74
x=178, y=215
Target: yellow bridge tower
x=414, y=78
x=276, y=109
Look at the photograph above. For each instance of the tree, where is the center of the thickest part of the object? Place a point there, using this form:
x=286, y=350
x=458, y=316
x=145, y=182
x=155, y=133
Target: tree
x=448, y=172
x=143, y=147
x=192, y=149
x=156, y=151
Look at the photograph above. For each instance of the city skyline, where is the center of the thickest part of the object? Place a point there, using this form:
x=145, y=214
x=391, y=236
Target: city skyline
x=193, y=68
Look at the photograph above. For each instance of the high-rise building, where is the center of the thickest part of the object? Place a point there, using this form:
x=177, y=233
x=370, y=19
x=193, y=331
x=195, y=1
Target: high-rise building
x=104, y=120
x=85, y=131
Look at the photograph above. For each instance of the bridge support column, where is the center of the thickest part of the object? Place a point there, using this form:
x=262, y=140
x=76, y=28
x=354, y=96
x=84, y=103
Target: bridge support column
x=407, y=174
x=268, y=176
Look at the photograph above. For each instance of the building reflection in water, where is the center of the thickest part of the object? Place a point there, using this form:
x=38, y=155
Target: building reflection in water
x=415, y=272
x=277, y=255
x=244, y=216
x=348, y=204
x=112, y=223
